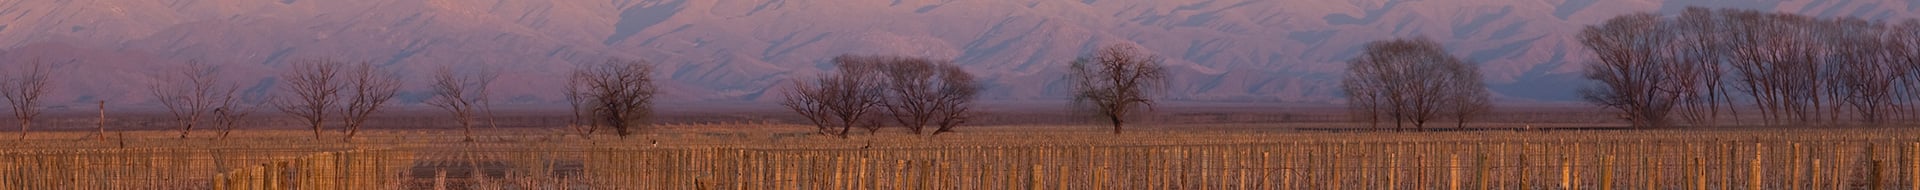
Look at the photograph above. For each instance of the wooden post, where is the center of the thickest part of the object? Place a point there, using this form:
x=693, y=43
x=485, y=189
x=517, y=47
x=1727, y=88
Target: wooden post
x=1874, y=174
x=1480, y=167
x=860, y=181
x=1453, y=172
x=1815, y=173
x=1266, y=171
x=943, y=175
x=1524, y=167
x=1333, y=156
x=1099, y=178
x=900, y=169
x=1700, y=174
x=1286, y=176
x=1756, y=167
x=1393, y=171
x=1566, y=173
x=838, y=170
x=1795, y=167
x=1033, y=176
x=1606, y=176
x=1240, y=165
x=1728, y=162
x=1647, y=172
x=103, y=121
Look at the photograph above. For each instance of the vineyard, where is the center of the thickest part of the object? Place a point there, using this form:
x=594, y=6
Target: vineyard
x=1010, y=157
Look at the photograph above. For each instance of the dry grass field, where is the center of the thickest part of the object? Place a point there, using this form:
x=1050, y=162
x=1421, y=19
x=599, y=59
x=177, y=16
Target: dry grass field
x=1165, y=156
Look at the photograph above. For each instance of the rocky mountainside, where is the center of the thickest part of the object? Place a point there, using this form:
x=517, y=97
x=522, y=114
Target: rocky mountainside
x=713, y=50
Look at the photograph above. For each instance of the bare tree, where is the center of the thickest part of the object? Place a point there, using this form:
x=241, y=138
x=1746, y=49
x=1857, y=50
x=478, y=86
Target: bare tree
x=1115, y=82
x=921, y=92
x=1864, y=72
x=617, y=94
x=1699, y=44
x=230, y=110
x=460, y=94
x=315, y=89
x=1413, y=81
x=808, y=101
x=1904, y=50
x=372, y=87
x=23, y=93
x=581, y=107
x=190, y=93
x=954, y=104
x=844, y=99
x=1366, y=97
x=1633, y=75
x=1466, y=93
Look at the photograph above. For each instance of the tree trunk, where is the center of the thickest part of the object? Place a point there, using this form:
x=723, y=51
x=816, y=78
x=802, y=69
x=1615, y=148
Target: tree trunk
x=1397, y=124
x=469, y=131
x=23, y=127
x=316, y=129
x=349, y=136
x=845, y=128
x=1116, y=123
x=189, y=129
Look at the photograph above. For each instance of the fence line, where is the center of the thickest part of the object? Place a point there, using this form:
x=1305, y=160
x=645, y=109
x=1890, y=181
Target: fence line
x=1583, y=164
x=1877, y=164
x=131, y=168
x=354, y=169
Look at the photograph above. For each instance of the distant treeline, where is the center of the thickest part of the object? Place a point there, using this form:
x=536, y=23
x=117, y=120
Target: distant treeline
x=1704, y=65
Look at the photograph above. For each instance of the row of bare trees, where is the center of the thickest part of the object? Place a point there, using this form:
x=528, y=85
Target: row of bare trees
x=319, y=88
x=616, y=94
x=316, y=91
x=1413, y=81
x=1793, y=69
x=1113, y=83
x=916, y=93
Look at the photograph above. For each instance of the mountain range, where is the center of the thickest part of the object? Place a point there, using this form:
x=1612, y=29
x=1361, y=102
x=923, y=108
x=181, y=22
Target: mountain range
x=744, y=50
